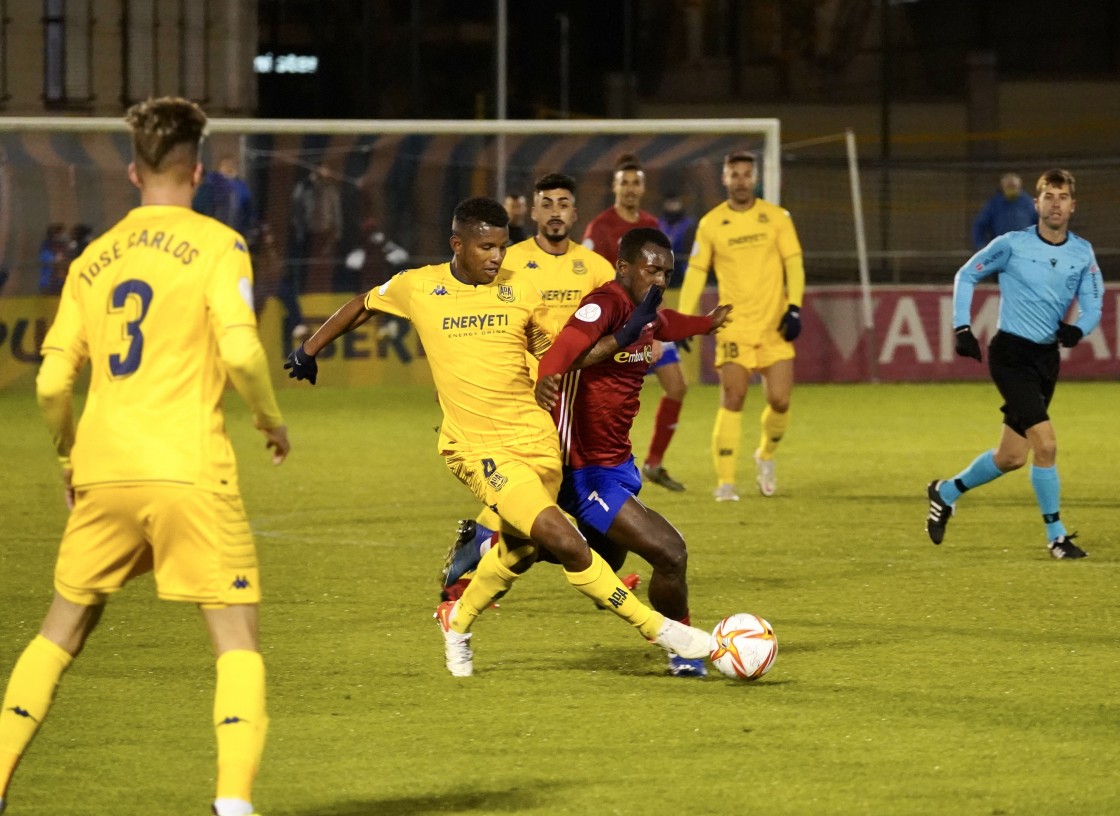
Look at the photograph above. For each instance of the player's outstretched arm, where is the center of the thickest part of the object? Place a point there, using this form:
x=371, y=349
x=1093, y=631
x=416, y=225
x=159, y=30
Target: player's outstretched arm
x=349, y=316
x=644, y=313
x=721, y=316
x=301, y=363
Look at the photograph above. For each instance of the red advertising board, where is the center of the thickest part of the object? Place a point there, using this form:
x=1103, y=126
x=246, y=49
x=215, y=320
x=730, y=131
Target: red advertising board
x=912, y=339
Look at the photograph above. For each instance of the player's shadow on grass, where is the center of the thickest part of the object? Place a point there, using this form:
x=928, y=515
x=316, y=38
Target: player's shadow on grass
x=467, y=800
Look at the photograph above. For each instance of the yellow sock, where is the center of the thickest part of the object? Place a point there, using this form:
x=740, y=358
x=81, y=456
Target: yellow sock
x=240, y=722
x=491, y=580
x=773, y=427
x=725, y=444
x=489, y=519
x=27, y=700
x=599, y=583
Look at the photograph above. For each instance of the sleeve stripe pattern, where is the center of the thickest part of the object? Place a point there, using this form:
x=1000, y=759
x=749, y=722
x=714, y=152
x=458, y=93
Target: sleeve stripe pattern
x=569, y=387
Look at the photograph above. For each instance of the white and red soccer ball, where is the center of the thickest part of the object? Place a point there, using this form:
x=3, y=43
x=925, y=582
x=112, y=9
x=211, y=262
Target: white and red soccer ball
x=743, y=646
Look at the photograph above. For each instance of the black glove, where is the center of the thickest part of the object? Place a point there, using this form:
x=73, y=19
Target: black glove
x=684, y=344
x=967, y=344
x=1069, y=335
x=790, y=324
x=643, y=313
x=302, y=365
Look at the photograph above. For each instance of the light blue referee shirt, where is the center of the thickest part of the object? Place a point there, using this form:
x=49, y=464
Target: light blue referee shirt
x=1037, y=283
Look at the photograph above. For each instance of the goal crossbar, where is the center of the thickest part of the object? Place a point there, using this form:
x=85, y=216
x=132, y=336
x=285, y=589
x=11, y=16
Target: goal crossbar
x=768, y=128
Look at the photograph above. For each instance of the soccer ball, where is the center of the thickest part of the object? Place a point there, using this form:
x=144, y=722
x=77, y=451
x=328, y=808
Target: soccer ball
x=743, y=646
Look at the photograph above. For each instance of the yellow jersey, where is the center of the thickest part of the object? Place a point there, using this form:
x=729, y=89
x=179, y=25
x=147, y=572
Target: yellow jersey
x=565, y=279
x=148, y=304
x=757, y=259
x=476, y=339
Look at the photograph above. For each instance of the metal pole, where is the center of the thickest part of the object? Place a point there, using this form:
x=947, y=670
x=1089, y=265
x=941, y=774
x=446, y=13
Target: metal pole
x=861, y=254
x=500, y=99
x=565, y=68
x=885, y=132
x=627, y=60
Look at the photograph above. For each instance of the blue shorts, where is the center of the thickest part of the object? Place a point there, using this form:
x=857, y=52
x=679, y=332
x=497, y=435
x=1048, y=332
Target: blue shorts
x=594, y=494
x=669, y=355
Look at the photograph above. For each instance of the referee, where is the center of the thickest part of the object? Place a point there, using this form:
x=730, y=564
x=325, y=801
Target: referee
x=1041, y=270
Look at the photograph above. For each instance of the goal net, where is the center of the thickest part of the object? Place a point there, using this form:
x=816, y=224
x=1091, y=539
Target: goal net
x=338, y=206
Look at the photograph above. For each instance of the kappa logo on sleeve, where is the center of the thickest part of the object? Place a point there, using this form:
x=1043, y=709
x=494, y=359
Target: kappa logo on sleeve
x=239, y=245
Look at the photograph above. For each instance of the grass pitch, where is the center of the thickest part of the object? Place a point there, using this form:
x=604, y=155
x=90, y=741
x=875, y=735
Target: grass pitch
x=978, y=677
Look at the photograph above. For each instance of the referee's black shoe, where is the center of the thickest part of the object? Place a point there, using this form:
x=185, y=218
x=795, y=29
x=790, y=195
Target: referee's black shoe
x=939, y=513
x=1063, y=547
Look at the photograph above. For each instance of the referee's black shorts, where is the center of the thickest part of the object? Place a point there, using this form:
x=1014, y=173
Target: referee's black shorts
x=1025, y=374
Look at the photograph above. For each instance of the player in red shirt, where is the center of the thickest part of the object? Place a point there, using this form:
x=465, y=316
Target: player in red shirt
x=594, y=409
x=602, y=235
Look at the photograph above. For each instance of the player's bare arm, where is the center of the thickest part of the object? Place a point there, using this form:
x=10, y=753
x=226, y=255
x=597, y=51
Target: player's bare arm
x=301, y=363
x=349, y=316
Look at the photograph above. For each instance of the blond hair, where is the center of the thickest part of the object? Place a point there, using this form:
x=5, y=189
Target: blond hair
x=166, y=134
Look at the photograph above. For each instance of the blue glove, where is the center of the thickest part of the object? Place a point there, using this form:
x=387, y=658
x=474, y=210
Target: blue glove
x=790, y=324
x=645, y=312
x=1069, y=335
x=301, y=365
x=967, y=344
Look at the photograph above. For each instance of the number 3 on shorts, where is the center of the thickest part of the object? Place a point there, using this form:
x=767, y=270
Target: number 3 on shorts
x=131, y=361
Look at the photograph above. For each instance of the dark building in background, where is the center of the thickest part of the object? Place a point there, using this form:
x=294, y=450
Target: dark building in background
x=436, y=58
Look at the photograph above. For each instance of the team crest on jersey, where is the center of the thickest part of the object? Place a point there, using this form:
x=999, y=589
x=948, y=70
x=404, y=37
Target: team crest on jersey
x=763, y=218
x=505, y=293
x=578, y=268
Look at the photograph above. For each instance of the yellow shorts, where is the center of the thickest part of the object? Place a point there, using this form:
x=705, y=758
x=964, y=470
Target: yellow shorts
x=198, y=544
x=516, y=485
x=751, y=351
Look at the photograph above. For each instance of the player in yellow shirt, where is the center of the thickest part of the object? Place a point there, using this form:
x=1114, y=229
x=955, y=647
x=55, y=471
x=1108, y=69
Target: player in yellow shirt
x=477, y=320
x=161, y=308
x=564, y=271
x=754, y=249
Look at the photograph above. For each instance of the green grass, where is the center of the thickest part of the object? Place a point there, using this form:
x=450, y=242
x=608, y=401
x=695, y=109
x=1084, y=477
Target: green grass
x=978, y=677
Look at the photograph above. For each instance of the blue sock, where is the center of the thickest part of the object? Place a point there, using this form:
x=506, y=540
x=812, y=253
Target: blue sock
x=1048, y=491
x=982, y=470
x=481, y=535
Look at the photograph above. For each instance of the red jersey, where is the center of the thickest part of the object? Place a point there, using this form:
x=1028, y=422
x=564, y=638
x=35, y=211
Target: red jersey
x=598, y=404
x=607, y=228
